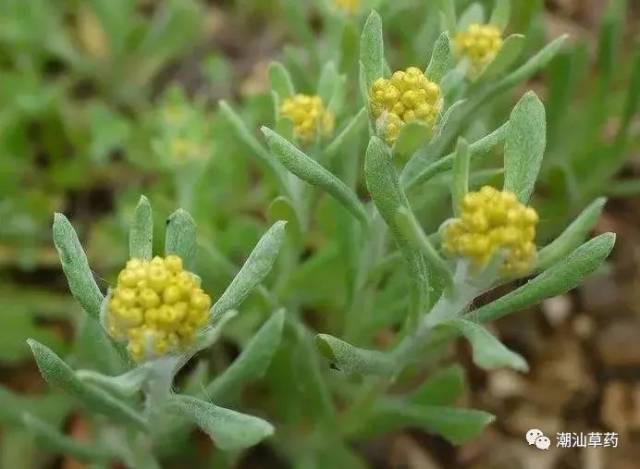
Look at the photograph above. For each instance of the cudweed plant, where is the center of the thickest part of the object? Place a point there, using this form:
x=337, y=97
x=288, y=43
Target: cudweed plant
x=158, y=317
x=336, y=383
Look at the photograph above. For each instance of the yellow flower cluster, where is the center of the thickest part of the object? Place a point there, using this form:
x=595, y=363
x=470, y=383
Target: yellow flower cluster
x=405, y=97
x=479, y=44
x=184, y=149
x=309, y=117
x=491, y=221
x=157, y=306
x=348, y=6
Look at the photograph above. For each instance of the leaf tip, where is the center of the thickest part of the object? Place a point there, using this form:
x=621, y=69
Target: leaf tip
x=143, y=200
x=373, y=16
x=322, y=343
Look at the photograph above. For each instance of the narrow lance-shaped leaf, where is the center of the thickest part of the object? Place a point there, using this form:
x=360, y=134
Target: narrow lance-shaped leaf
x=411, y=137
x=328, y=81
x=314, y=173
x=460, y=185
x=500, y=14
x=253, y=272
x=345, y=136
x=56, y=441
x=385, y=190
x=506, y=56
x=282, y=208
x=572, y=236
x=426, y=155
x=280, y=80
x=473, y=14
x=441, y=58
x=456, y=425
x=410, y=227
x=448, y=15
x=524, y=146
x=57, y=373
x=229, y=430
x=141, y=231
x=556, y=280
x=476, y=149
x=372, y=49
x=488, y=352
x=530, y=67
x=351, y=359
x=252, y=362
x=126, y=384
x=443, y=387
x=258, y=151
x=180, y=238
x=76, y=267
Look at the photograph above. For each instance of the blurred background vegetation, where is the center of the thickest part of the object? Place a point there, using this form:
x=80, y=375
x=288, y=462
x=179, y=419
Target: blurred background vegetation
x=103, y=100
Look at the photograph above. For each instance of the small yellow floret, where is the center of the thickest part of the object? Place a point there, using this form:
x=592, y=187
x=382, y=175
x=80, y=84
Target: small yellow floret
x=309, y=117
x=157, y=306
x=348, y=6
x=479, y=44
x=405, y=97
x=491, y=221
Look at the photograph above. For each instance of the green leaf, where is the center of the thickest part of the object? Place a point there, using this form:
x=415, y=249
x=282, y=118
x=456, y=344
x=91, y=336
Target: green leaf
x=473, y=14
x=388, y=196
x=411, y=229
x=477, y=149
x=50, y=407
x=525, y=71
x=180, y=238
x=57, y=373
x=312, y=172
x=632, y=101
x=126, y=384
x=444, y=387
x=556, y=280
x=456, y=425
x=460, y=185
x=257, y=150
x=282, y=208
x=252, y=362
x=229, y=430
x=141, y=231
x=506, y=56
x=488, y=352
x=448, y=15
x=340, y=142
x=337, y=98
x=253, y=272
x=524, y=146
x=500, y=14
x=76, y=267
x=570, y=238
x=441, y=58
x=372, y=50
x=62, y=444
x=412, y=136
x=327, y=82
x=350, y=359
x=280, y=81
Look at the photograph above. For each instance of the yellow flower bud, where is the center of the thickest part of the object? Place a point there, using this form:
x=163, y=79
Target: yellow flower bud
x=157, y=307
x=493, y=221
x=405, y=97
x=309, y=116
x=349, y=7
x=479, y=44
